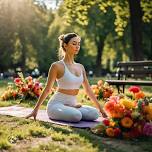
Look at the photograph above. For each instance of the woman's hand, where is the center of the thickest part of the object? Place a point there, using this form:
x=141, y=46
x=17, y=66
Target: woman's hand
x=32, y=114
x=75, y=106
x=78, y=106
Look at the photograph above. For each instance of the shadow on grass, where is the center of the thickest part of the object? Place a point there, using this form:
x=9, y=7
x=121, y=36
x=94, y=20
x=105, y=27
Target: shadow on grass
x=142, y=144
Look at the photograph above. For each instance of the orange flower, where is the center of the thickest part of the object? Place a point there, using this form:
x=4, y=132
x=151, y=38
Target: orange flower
x=146, y=109
x=112, y=124
x=94, y=86
x=108, y=106
x=149, y=116
x=117, y=112
x=96, y=91
x=110, y=132
x=126, y=122
x=106, y=94
x=100, y=83
x=139, y=95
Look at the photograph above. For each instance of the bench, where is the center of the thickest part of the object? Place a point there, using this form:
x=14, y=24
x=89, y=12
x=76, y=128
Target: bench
x=133, y=73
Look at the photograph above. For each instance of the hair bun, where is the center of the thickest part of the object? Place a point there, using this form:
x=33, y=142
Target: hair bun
x=61, y=37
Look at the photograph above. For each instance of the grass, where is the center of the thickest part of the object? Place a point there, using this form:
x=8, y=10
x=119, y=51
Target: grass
x=18, y=134
x=22, y=135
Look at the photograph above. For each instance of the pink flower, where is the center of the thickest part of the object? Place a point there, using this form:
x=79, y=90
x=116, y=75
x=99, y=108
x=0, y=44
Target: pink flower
x=134, y=89
x=37, y=85
x=147, y=130
x=114, y=99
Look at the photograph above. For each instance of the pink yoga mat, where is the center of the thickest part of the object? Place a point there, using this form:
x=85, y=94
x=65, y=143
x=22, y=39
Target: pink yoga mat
x=18, y=111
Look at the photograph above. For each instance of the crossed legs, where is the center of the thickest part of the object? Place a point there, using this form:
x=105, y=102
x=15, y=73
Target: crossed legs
x=59, y=111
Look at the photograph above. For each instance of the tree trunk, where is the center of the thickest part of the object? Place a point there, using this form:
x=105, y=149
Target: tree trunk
x=100, y=45
x=136, y=28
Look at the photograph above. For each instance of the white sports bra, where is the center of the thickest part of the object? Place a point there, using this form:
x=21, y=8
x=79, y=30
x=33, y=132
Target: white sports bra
x=69, y=80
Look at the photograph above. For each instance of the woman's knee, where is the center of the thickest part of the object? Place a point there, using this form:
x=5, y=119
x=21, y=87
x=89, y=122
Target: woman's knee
x=76, y=116
x=89, y=113
x=94, y=114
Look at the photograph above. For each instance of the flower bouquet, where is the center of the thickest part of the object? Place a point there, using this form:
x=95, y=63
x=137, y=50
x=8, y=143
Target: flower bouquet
x=127, y=118
x=23, y=88
x=102, y=90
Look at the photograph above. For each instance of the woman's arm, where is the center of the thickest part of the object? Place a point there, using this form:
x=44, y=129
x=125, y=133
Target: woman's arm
x=90, y=93
x=50, y=81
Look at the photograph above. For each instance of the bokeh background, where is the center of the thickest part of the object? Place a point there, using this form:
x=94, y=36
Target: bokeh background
x=111, y=31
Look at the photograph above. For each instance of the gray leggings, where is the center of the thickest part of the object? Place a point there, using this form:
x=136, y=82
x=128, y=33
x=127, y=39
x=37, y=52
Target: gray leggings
x=61, y=107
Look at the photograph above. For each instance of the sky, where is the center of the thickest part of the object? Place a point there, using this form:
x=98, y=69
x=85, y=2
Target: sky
x=50, y=3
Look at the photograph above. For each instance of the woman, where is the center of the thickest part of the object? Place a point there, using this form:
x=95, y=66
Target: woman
x=69, y=76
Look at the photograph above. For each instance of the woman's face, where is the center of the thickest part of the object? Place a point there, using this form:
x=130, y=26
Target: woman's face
x=73, y=46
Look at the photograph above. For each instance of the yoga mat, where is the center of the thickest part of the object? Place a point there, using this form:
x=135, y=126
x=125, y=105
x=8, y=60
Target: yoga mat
x=19, y=111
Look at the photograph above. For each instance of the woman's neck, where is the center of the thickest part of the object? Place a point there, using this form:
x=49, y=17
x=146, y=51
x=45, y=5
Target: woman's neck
x=69, y=59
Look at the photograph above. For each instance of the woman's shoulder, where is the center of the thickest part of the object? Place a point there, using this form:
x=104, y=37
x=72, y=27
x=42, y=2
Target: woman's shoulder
x=57, y=64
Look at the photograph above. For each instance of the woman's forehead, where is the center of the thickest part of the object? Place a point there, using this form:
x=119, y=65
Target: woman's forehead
x=75, y=39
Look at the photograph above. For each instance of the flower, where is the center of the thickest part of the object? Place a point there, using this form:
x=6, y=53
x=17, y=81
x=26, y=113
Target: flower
x=106, y=122
x=108, y=106
x=100, y=83
x=110, y=132
x=128, y=117
x=147, y=130
x=117, y=132
x=102, y=90
x=127, y=103
x=126, y=122
x=139, y=95
x=135, y=114
x=134, y=89
x=23, y=88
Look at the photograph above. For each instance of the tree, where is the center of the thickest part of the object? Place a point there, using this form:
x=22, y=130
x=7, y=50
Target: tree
x=89, y=16
x=123, y=11
x=23, y=32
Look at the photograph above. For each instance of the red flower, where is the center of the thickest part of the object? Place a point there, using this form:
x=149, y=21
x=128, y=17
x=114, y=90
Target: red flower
x=134, y=89
x=30, y=85
x=24, y=89
x=106, y=122
x=117, y=132
x=17, y=80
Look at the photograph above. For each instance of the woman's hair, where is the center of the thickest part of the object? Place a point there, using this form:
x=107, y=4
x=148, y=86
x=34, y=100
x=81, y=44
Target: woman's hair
x=64, y=38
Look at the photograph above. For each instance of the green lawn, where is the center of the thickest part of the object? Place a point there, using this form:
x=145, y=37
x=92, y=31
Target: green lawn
x=22, y=135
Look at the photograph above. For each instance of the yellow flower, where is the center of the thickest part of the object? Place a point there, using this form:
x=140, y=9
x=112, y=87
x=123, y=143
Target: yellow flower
x=127, y=103
x=112, y=124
